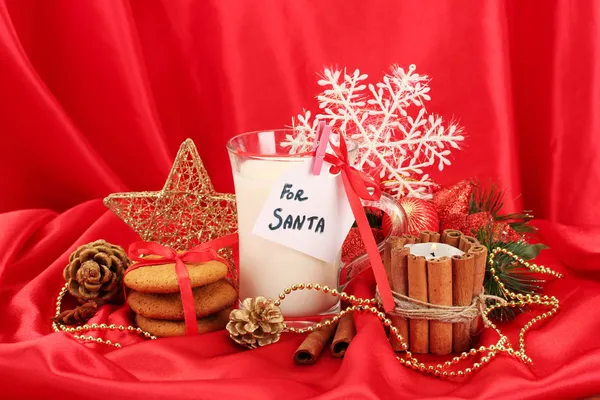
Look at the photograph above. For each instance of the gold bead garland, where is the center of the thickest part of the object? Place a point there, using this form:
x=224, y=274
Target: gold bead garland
x=441, y=369
x=371, y=306
x=75, y=331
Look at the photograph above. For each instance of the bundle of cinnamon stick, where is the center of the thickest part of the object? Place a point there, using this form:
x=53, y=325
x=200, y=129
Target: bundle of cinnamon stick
x=342, y=332
x=448, y=281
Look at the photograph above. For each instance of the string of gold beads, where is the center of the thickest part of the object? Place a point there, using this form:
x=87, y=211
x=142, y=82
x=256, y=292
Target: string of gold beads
x=77, y=330
x=520, y=300
x=358, y=304
x=370, y=306
x=442, y=370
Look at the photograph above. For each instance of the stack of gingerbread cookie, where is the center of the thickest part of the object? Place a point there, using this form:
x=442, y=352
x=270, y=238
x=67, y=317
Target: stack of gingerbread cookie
x=156, y=301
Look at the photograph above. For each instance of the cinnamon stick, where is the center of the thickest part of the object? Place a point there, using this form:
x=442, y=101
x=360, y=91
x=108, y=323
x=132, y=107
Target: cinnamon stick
x=466, y=242
x=410, y=239
x=451, y=237
x=399, y=284
x=443, y=236
x=393, y=241
x=311, y=347
x=463, y=272
x=417, y=289
x=480, y=254
x=439, y=286
x=345, y=332
x=430, y=236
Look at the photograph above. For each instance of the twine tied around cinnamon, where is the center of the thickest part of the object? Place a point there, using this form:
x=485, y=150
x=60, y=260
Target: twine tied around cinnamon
x=410, y=308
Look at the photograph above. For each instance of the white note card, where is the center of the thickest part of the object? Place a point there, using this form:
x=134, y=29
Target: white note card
x=308, y=213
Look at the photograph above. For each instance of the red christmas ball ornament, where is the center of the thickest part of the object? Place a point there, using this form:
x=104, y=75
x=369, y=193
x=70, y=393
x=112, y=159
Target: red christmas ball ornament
x=420, y=214
x=354, y=246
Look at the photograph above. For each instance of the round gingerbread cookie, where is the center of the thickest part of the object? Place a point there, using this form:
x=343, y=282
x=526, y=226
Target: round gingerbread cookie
x=208, y=300
x=163, y=278
x=164, y=328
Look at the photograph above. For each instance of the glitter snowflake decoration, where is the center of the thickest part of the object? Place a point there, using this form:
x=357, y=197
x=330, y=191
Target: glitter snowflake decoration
x=393, y=146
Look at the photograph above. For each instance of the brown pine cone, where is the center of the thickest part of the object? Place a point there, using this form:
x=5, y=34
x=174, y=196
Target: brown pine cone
x=79, y=315
x=95, y=271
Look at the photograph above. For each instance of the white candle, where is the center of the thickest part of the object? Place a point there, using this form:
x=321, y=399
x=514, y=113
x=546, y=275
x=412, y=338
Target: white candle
x=267, y=268
x=433, y=250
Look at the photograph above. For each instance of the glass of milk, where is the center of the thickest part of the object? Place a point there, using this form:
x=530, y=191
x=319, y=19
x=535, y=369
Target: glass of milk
x=266, y=268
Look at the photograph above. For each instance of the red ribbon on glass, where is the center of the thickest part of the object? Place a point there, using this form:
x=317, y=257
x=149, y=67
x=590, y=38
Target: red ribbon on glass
x=204, y=252
x=359, y=185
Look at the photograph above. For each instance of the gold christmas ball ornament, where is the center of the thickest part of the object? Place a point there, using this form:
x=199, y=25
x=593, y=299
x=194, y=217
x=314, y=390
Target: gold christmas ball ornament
x=258, y=323
x=95, y=271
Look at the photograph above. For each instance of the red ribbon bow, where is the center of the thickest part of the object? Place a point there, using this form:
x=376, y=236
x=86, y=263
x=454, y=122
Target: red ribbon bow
x=358, y=185
x=205, y=252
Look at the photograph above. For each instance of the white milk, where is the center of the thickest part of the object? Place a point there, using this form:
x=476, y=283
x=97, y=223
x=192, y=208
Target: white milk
x=267, y=268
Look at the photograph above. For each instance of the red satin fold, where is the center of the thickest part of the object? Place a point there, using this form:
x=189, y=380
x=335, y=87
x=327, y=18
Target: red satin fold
x=36, y=363
x=205, y=252
x=99, y=95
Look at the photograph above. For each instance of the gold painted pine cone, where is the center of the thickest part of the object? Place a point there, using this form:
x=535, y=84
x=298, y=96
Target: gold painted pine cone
x=95, y=271
x=258, y=323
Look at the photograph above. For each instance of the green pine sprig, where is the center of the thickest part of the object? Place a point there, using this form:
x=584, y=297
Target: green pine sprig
x=515, y=277
x=490, y=198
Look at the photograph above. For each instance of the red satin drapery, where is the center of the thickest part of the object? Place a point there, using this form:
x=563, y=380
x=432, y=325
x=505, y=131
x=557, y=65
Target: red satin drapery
x=97, y=96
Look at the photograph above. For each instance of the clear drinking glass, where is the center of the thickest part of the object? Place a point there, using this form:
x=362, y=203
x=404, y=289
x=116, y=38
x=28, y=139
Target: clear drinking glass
x=266, y=268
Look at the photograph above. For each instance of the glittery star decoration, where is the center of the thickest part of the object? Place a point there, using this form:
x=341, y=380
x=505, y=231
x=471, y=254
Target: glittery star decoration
x=186, y=212
x=453, y=200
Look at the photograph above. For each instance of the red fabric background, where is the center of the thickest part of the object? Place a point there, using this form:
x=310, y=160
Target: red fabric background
x=98, y=95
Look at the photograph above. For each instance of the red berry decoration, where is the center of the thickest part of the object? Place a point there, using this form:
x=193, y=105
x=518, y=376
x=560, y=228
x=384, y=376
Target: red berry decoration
x=477, y=221
x=421, y=215
x=454, y=221
x=503, y=232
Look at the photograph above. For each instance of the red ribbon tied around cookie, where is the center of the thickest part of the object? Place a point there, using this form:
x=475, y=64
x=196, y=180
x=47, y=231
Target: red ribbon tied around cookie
x=358, y=185
x=205, y=252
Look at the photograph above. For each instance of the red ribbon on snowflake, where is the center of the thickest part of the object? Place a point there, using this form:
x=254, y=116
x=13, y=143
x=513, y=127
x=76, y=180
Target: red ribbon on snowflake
x=204, y=252
x=358, y=185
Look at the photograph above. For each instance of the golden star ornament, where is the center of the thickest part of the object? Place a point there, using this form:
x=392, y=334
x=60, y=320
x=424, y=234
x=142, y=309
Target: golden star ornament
x=186, y=212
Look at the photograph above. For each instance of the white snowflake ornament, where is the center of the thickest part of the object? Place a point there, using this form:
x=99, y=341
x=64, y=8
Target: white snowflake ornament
x=393, y=146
